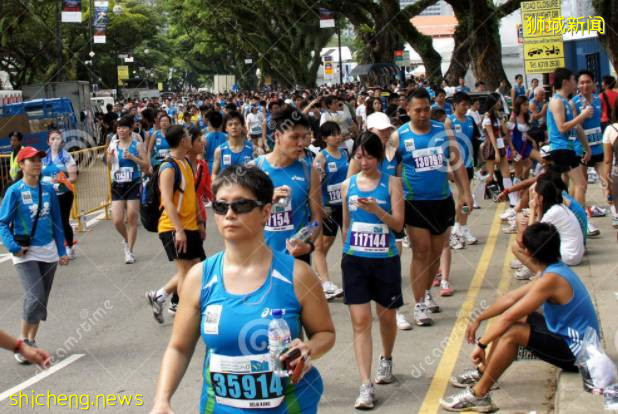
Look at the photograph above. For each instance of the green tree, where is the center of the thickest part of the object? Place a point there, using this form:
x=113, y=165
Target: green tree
x=608, y=10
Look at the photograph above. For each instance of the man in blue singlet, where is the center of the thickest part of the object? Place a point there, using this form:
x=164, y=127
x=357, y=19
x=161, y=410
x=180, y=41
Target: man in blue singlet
x=564, y=128
x=556, y=336
x=427, y=150
x=237, y=150
x=440, y=102
x=214, y=138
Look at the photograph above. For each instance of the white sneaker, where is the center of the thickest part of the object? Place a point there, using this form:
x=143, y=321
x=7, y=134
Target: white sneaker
x=402, y=322
x=385, y=371
x=366, y=397
x=331, y=290
x=71, y=253
x=455, y=242
x=466, y=234
x=429, y=303
x=523, y=274
x=420, y=315
x=615, y=221
x=129, y=258
x=406, y=243
x=516, y=264
x=508, y=214
x=593, y=231
x=510, y=228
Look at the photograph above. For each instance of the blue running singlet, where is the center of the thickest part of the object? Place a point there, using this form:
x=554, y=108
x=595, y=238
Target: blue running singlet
x=230, y=158
x=237, y=372
x=591, y=126
x=336, y=171
x=557, y=139
x=463, y=134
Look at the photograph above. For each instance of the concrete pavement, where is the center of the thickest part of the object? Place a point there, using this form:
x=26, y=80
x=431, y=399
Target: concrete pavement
x=97, y=308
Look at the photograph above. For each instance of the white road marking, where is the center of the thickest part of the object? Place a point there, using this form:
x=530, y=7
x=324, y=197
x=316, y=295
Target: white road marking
x=42, y=375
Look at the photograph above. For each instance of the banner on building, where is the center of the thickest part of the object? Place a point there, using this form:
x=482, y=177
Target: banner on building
x=327, y=18
x=123, y=72
x=543, y=44
x=71, y=11
x=101, y=19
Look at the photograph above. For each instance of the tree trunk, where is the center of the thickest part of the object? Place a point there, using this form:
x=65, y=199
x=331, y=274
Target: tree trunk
x=460, y=59
x=609, y=40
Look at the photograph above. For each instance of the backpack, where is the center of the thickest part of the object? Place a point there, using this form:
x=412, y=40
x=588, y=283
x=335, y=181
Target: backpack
x=150, y=207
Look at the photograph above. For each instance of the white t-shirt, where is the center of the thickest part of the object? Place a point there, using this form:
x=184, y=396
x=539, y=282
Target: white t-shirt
x=475, y=116
x=610, y=134
x=571, y=237
x=361, y=112
x=254, y=123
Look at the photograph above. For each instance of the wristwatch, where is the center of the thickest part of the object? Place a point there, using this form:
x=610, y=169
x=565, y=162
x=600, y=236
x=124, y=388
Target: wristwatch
x=480, y=344
x=310, y=243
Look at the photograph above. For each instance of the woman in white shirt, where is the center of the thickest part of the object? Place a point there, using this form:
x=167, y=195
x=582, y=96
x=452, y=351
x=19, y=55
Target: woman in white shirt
x=549, y=206
x=610, y=159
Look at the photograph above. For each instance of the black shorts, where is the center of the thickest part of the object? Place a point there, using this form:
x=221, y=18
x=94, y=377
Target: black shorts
x=565, y=160
x=195, y=250
x=332, y=221
x=399, y=235
x=434, y=215
x=126, y=191
x=594, y=160
x=366, y=279
x=470, y=171
x=548, y=346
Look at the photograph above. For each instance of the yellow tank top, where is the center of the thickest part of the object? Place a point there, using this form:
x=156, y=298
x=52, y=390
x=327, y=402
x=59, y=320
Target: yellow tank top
x=185, y=201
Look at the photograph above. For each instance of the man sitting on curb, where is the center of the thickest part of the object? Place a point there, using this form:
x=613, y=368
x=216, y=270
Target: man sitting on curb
x=555, y=337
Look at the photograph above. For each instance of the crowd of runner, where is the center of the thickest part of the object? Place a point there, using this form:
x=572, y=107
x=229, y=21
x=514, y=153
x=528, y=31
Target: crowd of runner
x=377, y=166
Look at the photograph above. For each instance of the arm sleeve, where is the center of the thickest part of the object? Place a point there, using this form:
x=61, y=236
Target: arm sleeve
x=7, y=215
x=57, y=223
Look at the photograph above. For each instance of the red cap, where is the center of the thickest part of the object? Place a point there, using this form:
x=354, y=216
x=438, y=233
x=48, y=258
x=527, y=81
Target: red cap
x=29, y=152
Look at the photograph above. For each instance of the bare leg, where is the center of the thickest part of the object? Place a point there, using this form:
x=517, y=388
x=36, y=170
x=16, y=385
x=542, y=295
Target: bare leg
x=322, y=246
x=579, y=185
x=118, y=208
x=420, y=272
x=132, y=216
x=446, y=258
x=361, y=325
x=388, y=329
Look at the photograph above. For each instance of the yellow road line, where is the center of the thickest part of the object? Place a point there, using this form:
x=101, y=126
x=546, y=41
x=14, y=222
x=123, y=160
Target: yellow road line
x=431, y=403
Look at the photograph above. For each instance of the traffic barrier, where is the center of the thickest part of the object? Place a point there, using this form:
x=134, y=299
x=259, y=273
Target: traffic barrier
x=93, y=189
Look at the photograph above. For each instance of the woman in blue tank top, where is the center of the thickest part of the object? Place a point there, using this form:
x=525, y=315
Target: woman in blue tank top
x=297, y=199
x=159, y=149
x=228, y=300
x=372, y=209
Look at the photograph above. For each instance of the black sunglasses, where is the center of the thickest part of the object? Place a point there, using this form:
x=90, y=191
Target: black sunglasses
x=239, y=206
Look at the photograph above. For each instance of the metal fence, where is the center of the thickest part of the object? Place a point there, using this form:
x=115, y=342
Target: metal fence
x=93, y=186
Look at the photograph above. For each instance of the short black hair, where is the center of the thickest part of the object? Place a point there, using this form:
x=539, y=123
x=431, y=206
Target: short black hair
x=249, y=177
x=371, y=144
x=17, y=135
x=419, y=93
x=109, y=107
x=215, y=118
x=610, y=81
x=438, y=91
x=233, y=114
x=195, y=133
x=461, y=97
x=542, y=240
x=519, y=76
x=126, y=121
x=329, y=128
x=165, y=115
x=585, y=72
x=561, y=75
x=330, y=99
x=437, y=113
x=288, y=117
x=174, y=135
x=479, y=83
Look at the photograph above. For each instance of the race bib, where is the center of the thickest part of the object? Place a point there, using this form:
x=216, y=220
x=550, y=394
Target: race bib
x=594, y=135
x=26, y=197
x=332, y=167
x=227, y=159
x=369, y=237
x=123, y=175
x=409, y=144
x=428, y=159
x=280, y=218
x=245, y=381
x=500, y=143
x=334, y=193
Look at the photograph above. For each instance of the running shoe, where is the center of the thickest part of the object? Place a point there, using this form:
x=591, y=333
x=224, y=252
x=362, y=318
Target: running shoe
x=516, y=264
x=436, y=280
x=508, y=215
x=593, y=231
x=614, y=221
x=467, y=236
x=129, y=258
x=510, y=228
x=172, y=308
x=157, y=306
x=420, y=315
x=455, y=242
x=402, y=321
x=467, y=401
x=366, y=397
x=596, y=211
x=71, y=253
x=385, y=371
x=466, y=378
x=331, y=290
x=446, y=289
x=523, y=273
x=429, y=303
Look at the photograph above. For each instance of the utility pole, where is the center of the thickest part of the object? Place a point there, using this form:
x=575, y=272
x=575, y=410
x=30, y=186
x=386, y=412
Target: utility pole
x=60, y=72
x=340, y=59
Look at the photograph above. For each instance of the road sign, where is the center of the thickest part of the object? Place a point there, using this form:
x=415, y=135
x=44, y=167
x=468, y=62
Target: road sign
x=327, y=18
x=328, y=68
x=543, y=44
x=123, y=72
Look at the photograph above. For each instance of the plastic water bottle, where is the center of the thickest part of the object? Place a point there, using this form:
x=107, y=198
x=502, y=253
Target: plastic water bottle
x=305, y=233
x=279, y=339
